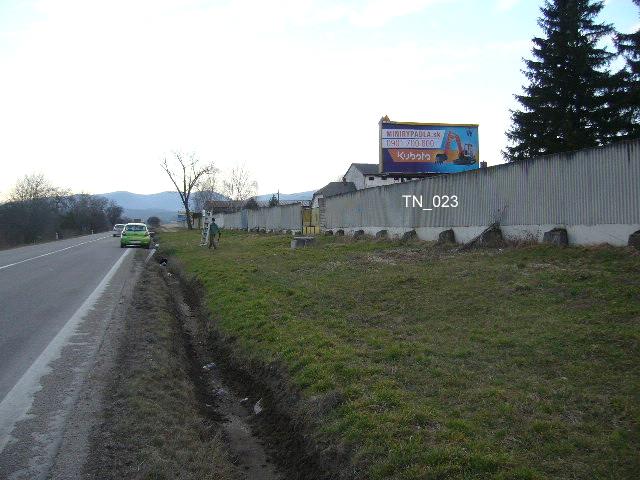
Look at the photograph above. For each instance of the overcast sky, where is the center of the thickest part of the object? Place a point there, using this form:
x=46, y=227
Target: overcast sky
x=95, y=93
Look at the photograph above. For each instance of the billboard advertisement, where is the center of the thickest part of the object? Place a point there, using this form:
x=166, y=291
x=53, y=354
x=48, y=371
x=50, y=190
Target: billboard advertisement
x=408, y=147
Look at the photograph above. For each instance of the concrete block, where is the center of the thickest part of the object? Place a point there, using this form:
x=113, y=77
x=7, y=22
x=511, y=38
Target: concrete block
x=447, y=236
x=556, y=236
x=340, y=232
x=410, y=235
x=491, y=238
x=299, y=242
x=358, y=234
x=634, y=240
x=382, y=234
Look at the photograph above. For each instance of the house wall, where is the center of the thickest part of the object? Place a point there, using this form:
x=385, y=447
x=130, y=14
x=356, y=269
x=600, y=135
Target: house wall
x=363, y=181
x=379, y=181
x=354, y=175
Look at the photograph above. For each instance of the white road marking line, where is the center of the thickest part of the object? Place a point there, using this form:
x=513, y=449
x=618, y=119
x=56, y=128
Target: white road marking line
x=153, y=250
x=18, y=401
x=50, y=253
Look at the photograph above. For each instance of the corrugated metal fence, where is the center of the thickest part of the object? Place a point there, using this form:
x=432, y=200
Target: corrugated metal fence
x=283, y=217
x=588, y=187
x=234, y=221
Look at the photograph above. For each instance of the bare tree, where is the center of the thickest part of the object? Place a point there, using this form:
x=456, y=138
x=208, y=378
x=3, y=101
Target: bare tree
x=251, y=204
x=36, y=205
x=206, y=191
x=114, y=212
x=35, y=187
x=186, y=176
x=37, y=210
x=239, y=186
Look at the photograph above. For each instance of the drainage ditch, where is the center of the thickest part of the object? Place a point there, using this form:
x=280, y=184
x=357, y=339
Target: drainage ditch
x=263, y=440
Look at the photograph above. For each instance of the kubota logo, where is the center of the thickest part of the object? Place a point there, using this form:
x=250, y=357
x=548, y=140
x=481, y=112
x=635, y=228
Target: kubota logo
x=412, y=156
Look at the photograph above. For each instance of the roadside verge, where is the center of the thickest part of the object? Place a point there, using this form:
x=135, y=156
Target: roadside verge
x=153, y=423
x=270, y=409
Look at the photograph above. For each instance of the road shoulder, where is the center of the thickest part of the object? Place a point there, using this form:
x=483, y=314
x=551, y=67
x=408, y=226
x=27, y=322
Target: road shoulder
x=155, y=421
x=51, y=442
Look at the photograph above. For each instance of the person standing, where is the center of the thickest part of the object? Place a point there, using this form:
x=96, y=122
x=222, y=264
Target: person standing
x=214, y=234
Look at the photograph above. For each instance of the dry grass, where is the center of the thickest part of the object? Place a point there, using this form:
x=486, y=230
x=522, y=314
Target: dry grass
x=514, y=363
x=154, y=425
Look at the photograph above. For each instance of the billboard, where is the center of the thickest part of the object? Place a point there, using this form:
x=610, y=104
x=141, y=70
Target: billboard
x=408, y=147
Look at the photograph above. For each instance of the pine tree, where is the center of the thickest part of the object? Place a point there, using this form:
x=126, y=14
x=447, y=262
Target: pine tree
x=628, y=81
x=565, y=106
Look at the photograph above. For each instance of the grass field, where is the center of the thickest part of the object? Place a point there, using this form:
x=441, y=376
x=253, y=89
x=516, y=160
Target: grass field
x=522, y=363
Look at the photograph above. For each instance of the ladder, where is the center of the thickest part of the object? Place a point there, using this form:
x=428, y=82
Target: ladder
x=206, y=221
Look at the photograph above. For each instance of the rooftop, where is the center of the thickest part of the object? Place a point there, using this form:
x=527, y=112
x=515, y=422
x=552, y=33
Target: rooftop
x=335, y=188
x=366, y=168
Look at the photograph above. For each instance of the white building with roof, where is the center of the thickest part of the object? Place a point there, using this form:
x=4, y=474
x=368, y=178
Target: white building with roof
x=367, y=175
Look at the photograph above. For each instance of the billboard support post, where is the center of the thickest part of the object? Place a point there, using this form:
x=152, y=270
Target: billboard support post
x=380, y=167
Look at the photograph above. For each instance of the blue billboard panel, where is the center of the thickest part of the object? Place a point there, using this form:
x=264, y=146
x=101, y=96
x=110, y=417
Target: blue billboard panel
x=428, y=148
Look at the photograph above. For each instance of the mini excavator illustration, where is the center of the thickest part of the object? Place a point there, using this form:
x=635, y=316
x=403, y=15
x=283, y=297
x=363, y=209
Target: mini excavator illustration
x=466, y=153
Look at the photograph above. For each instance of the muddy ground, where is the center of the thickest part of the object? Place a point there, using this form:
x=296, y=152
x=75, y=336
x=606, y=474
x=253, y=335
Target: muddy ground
x=177, y=406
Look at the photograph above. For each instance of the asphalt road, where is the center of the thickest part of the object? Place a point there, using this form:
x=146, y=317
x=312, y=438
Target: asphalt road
x=41, y=287
x=58, y=301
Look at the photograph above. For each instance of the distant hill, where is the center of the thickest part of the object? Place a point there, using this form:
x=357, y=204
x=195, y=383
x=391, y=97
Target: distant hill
x=156, y=201
x=164, y=205
x=287, y=196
